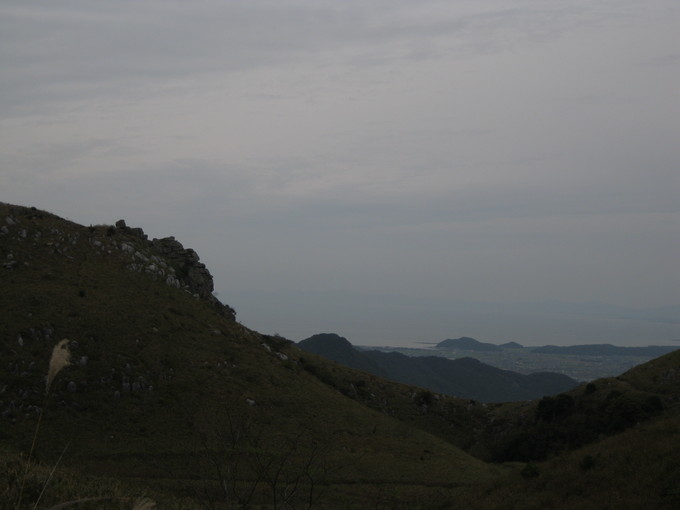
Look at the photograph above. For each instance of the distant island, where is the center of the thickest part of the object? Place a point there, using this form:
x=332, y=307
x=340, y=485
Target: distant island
x=468, y=344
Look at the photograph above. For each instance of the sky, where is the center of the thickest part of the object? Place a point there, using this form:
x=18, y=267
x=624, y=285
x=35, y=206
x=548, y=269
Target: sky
x=392, y=171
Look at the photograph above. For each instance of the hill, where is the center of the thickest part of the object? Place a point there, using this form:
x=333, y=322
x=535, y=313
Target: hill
x=540, y=429
x=166, y=395
x=338, y=348
x=511, y=345
x=464, y=377
x=166, y=388
x=467, y=344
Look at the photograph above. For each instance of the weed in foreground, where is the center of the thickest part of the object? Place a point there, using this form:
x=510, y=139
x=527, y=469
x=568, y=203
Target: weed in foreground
x=61, y=358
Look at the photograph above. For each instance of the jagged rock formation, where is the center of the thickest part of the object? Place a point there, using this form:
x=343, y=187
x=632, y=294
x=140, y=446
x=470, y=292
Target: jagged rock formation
x=164, y=259
x=190, y=271
x=182, y=263
x=37, y=242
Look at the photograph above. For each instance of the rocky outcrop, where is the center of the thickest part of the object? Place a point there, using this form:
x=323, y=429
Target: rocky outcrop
x=138, y=232
x=163, y=259
x=187, y=265
x=181, y=267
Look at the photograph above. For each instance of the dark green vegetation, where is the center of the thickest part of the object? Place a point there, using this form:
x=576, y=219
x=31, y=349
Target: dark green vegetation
x=169, y=397
x=463, y=377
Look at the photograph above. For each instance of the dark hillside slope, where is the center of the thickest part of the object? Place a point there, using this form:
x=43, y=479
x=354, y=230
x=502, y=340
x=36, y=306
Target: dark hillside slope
x=635, y=469
x=463, y=378
x=166, y=389
x=541, y=429
x=611, y=443
x=168, y=396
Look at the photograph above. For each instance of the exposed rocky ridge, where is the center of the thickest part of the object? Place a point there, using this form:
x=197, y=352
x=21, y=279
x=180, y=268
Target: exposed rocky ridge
x=49, y=247
x=162, y=259
x=183, y=265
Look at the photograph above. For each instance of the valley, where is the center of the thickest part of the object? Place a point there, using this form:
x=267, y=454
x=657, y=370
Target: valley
x=525, y=361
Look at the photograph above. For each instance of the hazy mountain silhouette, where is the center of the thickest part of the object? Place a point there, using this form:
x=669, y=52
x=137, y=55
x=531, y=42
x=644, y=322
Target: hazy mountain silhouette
x=464, y=377
x=606, y=350
x=468, y=344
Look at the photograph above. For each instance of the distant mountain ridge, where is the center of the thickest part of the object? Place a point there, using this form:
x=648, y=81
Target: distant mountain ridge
x=465, y=377
x=466, y=343
x=606, y=350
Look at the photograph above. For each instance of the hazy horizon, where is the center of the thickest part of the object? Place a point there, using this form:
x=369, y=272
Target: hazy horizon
x=403, y=322
x=366, y=167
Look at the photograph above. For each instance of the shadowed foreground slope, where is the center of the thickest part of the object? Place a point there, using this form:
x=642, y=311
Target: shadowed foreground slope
x=166, y=387
x=167, y=395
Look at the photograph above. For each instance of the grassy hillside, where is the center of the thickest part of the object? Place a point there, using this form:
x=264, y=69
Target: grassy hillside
x=546, y=427
x=163, y=384
x=628, y=471
x=168, y=396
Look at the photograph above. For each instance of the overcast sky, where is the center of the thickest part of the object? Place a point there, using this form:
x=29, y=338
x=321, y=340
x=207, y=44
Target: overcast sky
x=367, y=167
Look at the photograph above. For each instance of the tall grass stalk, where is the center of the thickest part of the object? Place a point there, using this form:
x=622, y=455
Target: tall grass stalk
x=54, y=468
x=61, y=357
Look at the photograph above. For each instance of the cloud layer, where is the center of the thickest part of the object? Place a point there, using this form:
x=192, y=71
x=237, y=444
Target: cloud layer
x=501, y=151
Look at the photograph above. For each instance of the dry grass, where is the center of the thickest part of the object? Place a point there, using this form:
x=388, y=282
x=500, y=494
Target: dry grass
x=144, y=504
x=61, y=357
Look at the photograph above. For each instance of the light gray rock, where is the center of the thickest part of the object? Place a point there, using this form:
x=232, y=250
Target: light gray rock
x=127, y=248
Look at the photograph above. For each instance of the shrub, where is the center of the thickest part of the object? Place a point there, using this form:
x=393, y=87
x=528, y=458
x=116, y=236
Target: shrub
x=586, y=463
x=424, y=398
x=529, y=470
x=550, y=409
x=590, y=389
